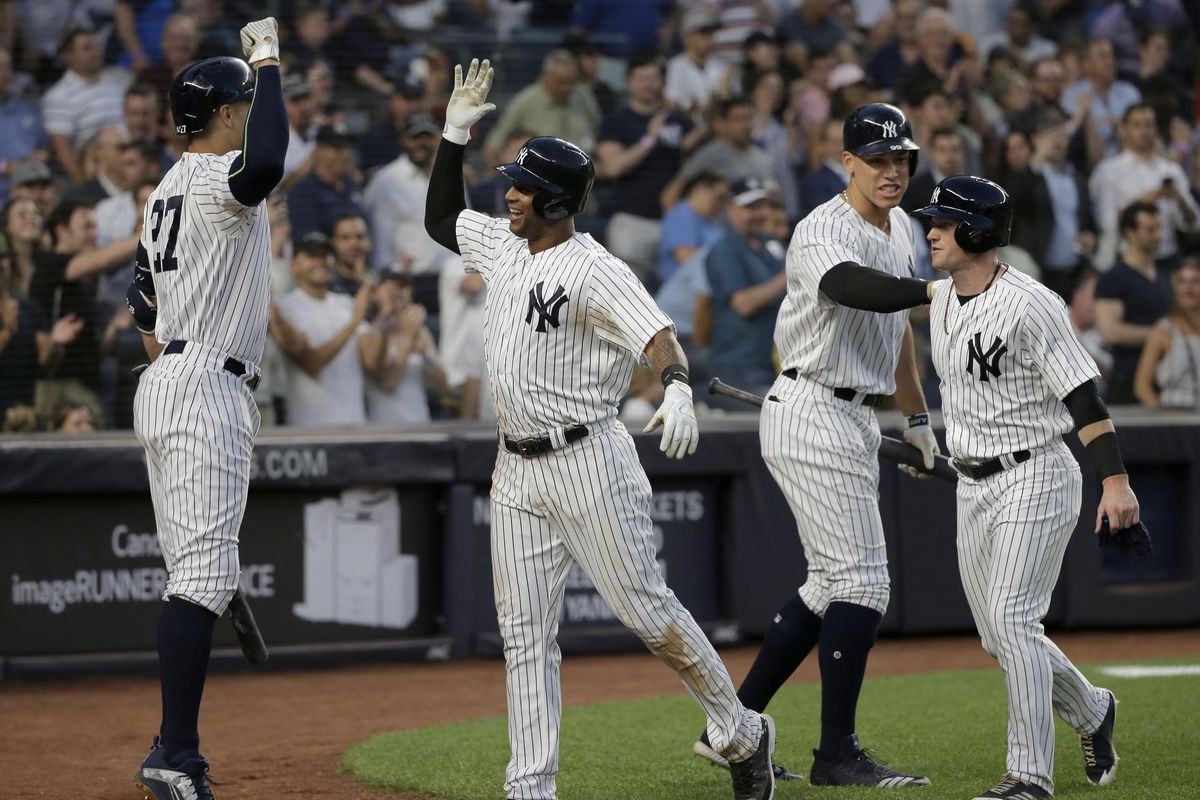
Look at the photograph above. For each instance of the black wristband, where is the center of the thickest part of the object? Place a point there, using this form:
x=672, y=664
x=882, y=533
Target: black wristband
x=675, y=372
x=1107, y=452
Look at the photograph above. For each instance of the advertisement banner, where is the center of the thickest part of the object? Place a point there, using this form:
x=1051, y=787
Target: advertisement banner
x=350, y=564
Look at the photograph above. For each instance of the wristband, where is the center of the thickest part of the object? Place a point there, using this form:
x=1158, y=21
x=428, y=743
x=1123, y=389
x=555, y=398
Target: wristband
x=675, y=372
x=452, y=133
x=1107, y=452
x=918, y=419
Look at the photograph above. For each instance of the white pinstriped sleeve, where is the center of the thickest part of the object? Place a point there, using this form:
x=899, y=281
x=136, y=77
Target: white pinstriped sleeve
x=1050, y=339
x=212, y=192
x=479, y=236
x=818, y=246
x=620, y=308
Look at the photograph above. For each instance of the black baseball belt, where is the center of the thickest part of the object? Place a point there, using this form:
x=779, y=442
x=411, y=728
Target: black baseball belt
x=845, y=392
x=231, y=365
x=535, y=446
x=987, y=469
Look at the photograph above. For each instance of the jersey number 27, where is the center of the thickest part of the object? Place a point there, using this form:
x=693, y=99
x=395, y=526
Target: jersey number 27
x=164, y=253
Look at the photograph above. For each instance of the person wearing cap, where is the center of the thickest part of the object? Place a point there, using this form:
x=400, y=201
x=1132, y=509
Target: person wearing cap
x=323, y=336
x=84, y=99
x=381, y=143
x=641, y=147
x=297, y=99
x=848, y=88
x=694, y=75
x=33, y=181
x=747, y=284
x=395, y=201
x=330, y=190
x=557, y=104
x=22, y=136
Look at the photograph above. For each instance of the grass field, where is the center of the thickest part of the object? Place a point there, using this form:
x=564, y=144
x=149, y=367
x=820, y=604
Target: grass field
x=949, y=725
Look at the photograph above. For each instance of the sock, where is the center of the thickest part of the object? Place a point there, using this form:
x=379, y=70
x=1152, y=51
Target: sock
x=789, y=639
x=847, y=636
x=185, y=632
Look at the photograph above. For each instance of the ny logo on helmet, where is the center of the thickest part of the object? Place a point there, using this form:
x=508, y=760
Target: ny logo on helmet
x=521, y=154
x=547, y=308
x=988, y=361
x=936, y=191
x=889, y=127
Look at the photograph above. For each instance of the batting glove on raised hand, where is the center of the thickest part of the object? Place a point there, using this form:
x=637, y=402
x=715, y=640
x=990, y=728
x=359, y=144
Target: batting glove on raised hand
x=920, y=435
x=468, y=102
x=681, y=434
x=260, y=40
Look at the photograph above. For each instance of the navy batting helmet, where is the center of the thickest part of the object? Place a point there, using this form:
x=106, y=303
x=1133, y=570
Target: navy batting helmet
x=982, y=208
x=204, y=87
x=561, y=173
x=879, y=128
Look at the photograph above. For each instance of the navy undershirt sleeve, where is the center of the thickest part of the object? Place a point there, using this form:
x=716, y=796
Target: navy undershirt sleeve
x=259, y=167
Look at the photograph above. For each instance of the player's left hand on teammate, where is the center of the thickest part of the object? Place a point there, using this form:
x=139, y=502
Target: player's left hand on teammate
x=260, y=40
x=677, y=417
x=920, y=435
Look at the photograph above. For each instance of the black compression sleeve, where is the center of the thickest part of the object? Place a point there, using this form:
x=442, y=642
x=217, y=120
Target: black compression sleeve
x=856, y=286
x=446, y=198
x=259, y=167
x=1085, y=405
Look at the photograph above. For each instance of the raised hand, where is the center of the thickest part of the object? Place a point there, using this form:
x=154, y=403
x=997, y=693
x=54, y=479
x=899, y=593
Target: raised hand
x=468, y=102
x=260, y=40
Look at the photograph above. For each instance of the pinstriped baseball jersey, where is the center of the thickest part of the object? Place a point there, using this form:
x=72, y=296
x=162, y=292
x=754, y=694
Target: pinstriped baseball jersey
x=829, y=343
x=1006, y=358
x=211, y=258
x=563, y=328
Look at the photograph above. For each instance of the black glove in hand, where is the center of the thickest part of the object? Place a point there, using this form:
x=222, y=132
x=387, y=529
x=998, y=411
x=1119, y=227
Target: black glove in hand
x=1134, y=542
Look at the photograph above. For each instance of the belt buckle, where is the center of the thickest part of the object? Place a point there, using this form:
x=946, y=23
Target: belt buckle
x=528, y=448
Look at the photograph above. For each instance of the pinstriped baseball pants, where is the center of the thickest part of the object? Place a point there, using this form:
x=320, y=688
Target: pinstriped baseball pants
x=197, y=423
x=824, y=454
x=1013, y=530
x=588, y=502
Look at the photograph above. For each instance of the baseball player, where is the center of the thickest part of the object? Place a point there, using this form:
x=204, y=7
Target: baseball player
x=1014, y=380
x=564, y=323
x=851, y=256
x=200, y=298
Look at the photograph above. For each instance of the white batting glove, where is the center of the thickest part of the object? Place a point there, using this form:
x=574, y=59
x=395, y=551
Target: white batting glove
x=920, y=435
x=260, y=40
x=681, y=434
x=468, y=102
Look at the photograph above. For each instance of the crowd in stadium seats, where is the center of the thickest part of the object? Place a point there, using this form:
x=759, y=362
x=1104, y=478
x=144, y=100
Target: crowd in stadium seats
x=715, y=126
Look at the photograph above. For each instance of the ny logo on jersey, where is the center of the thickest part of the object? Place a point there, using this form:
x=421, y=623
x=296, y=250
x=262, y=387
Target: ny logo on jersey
x=547, y=308
x=988, y=361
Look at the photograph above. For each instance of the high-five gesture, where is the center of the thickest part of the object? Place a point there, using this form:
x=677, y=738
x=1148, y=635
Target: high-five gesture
x=468, y=102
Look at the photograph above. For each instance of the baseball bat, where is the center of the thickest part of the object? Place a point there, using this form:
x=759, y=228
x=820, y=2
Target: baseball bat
x=248, y=635
x=889, y=448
